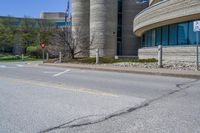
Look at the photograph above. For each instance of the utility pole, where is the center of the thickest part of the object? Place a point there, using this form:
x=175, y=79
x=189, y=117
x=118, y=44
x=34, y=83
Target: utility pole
x=67, y=17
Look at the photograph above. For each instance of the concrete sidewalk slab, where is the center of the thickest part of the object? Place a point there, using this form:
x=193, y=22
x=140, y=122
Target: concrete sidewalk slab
x=159, y=71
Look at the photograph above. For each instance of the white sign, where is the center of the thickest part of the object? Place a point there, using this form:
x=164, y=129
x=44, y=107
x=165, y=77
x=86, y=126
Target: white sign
x=196, y=26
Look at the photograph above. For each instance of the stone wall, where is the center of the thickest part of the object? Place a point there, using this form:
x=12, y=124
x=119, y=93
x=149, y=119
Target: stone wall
x=176, y=53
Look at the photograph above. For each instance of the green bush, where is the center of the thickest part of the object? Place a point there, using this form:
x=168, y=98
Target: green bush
x=108, y=60
x=17, y=58
x=34, y=51
x=9, y=57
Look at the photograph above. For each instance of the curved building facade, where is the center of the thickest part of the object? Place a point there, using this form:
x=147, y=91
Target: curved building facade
x=168, y=23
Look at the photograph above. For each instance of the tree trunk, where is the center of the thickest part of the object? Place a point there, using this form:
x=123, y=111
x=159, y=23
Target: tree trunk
x=72, y=54
x=25, y=50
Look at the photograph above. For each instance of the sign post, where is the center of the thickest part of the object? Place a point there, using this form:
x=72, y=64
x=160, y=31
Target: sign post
x=197, y=50
x=197, y=29
x=42, y=45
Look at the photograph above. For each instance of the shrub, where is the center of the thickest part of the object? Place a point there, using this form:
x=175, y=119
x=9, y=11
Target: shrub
x=108, y=60
x=34, y=51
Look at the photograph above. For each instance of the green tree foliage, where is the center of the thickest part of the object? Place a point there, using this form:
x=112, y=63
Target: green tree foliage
x=28, y=32
x=24, y=31
x=46, y=30
x=7, y=31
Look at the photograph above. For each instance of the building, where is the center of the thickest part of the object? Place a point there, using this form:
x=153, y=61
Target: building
x=109, y=24
x=56, y=17
x=168, y=23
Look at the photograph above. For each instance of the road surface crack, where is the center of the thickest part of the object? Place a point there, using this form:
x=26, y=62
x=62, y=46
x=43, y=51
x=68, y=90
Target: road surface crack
x=86, y=121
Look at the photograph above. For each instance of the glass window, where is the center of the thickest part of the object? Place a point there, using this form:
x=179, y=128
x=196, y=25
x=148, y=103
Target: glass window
x=165, y=35
x=146, y=39
x=173, y=35
x=143, y=41
x=183, y=33
x=153, y=35
x=192, y=34
x=158, y=36
x=149, y=38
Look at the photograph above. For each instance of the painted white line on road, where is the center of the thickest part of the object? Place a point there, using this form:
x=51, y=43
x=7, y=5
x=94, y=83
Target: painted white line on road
x=58, y=74
x=19, y=65
x=50, y=72
x=3, y=66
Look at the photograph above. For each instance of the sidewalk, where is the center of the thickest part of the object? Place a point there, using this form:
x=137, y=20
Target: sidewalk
x=160, y=71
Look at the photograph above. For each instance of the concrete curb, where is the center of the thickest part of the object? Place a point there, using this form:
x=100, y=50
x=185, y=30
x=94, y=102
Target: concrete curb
x=160, y=72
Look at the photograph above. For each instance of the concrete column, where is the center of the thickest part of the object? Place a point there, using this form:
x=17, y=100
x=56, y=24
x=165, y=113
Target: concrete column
x=80, y=23
x=103, y=26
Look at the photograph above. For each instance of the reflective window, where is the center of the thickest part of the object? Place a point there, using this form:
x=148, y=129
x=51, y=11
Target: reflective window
x=153, y=36
x=146, y=39
x=165, y=35
x=173, y=36
x=183, y=33
x=192, y=34
x=149, y=44
x=158, y=36
x=143, y=41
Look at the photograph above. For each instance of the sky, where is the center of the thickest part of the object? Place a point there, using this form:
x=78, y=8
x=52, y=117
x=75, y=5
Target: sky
x=30, y=8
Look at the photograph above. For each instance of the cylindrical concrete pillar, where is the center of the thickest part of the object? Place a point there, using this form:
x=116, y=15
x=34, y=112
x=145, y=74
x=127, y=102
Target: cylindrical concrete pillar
x=103, y=27
x=80, y=24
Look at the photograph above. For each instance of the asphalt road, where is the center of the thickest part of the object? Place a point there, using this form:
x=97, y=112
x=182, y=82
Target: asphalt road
x=35, y=99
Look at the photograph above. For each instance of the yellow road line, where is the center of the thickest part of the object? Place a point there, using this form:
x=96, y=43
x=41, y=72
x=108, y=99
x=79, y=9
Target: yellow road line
x=61, y=87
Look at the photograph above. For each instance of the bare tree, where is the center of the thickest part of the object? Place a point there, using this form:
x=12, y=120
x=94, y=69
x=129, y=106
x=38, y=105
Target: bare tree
x=71, y=43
